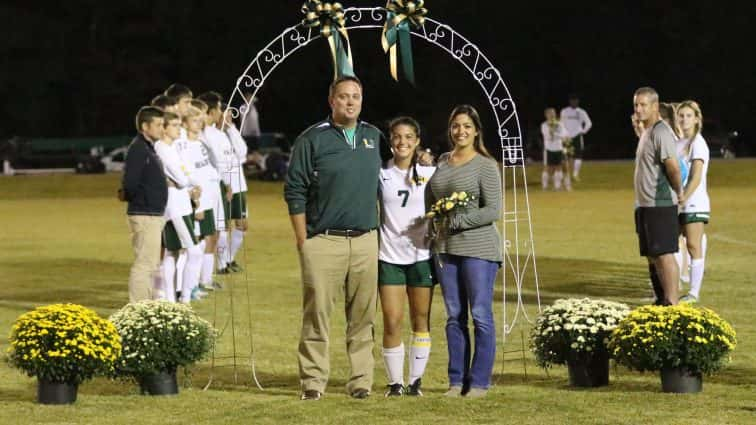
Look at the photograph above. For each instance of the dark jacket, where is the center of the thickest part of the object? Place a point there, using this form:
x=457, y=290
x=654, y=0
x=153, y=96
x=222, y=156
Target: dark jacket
x=144, y=183
x=333, y=183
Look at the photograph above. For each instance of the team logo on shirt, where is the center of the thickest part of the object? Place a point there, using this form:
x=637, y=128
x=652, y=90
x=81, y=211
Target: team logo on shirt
x=369, y=143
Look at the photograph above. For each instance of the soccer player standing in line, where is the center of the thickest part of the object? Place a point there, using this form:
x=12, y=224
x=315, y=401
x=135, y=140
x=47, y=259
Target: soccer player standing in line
x=657, y=188
x=578, y=123
x=404, y=266
x=553, y=133
x=695, y=205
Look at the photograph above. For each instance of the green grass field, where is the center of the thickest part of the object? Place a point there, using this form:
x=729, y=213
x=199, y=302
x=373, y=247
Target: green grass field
x=64, y=238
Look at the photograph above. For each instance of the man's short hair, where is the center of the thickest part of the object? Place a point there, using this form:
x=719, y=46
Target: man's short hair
x=202, y=106
x=191, y=112
x=178, y=91
x=343, y=79
x=146, y=114
x=211, y=98
x=162, y=101
x=168, y=116
x=648, y=91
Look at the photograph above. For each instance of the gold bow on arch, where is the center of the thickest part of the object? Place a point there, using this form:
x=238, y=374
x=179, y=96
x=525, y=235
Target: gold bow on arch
x=330, y=18
x=396, y=31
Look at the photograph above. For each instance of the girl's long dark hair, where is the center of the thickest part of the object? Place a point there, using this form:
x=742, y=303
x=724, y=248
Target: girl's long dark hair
x=414, y=176
x=468, y=110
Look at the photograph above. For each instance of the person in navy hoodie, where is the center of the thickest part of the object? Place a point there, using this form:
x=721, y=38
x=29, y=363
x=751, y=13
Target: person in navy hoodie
x=145, y=188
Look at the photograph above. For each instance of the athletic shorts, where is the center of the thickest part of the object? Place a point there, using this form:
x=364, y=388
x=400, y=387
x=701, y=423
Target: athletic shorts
x=207, y=224
x=554, y=157
x=239, y=206
x=418, y=274
x=658, y=230
x=696, y=217
x=578, y=147
x=179, y=235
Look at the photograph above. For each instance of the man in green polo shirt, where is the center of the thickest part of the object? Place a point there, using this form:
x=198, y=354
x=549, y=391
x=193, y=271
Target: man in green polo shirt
x=331, y=190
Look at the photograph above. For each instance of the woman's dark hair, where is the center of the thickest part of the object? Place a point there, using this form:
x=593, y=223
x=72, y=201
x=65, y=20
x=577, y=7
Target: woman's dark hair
x=414, y=177
x=468, y=110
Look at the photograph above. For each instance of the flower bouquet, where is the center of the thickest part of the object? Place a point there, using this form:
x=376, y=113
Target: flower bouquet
x=575, y=332
x=159, y=336
x=63, y=345
x=680, y=341
x=450, y=203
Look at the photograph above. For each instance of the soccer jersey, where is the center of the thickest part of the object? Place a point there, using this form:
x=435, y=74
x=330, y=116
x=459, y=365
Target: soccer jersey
x=652, y=188
x=552, y=136
x=179, y=204
x=696, y=149
x=221, y=152
x=575, y=120
x=197, y=159
x=238, y=180
x=404, y=230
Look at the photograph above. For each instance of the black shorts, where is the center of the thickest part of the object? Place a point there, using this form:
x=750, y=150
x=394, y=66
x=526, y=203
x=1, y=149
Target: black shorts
x=578, y=146
x=658, y=229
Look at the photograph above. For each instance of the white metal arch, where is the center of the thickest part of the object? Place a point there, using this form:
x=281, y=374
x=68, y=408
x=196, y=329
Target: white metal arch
x=499, y=98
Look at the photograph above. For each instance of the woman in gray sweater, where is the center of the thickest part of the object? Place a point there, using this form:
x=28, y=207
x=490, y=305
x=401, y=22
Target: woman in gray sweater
x=468, y=251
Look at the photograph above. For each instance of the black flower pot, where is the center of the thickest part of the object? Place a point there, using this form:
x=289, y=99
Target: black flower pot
x=588, y=371
x=679, y=380
x=56, y=392
x=160, y=383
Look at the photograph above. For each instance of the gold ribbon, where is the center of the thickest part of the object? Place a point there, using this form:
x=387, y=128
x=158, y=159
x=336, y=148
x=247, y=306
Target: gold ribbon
x=330, y=18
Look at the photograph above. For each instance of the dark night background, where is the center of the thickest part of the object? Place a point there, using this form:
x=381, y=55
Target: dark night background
x=83, y=68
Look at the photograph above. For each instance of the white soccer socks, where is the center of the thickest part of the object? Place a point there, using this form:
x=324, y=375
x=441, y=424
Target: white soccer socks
x=208, y=264
x=393, y=359
x=169, y=273
x=192, y=270
x=222, y=250
x=419, y=353
x=237, y=237
x=696, y=276
x=545, y=179
x=558, y=175
x=576, y=168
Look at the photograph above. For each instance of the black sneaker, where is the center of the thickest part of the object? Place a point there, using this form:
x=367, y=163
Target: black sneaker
x=223, y=271
x=311, y=395
x=394, y=390
x=360, y=393
x=217, y=285
x=234, y=267
x=414, y=388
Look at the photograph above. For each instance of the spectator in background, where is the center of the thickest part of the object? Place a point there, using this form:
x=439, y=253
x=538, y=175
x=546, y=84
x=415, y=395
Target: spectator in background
x=250, y=125
x=657, y=188
x=144, y=187
x=553, y=133
x=578, y=123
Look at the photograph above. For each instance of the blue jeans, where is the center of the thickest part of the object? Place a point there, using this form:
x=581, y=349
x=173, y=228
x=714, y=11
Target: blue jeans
x=468, y=283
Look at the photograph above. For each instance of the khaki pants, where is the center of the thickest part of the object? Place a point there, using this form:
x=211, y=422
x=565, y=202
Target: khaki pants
x=146, y=232
x=331, y=264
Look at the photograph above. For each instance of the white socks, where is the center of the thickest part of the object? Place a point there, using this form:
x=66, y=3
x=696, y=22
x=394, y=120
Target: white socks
x=206, y=275
x=545, y=179
x=419, y=353
x=191, y=276
x=180, y=268
x=576, y=167
x=558, y=180
x=696, y=276
x=393, y=359
x=237, y=236
x=169, y=273
x=222, y=250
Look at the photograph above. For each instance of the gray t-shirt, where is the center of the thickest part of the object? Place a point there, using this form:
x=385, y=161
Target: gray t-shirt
x=652, y=187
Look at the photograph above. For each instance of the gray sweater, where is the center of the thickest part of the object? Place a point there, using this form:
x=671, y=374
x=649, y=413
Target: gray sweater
x=470, y=232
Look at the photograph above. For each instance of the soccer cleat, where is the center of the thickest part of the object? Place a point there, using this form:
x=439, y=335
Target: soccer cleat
x=206, y=287
x=687, y=298
x=198, y=294
x=311, y=395
x=234, y=267
x=414, y=388
x=224, y=270
x=360, y=393
x=394, y=390
x=217, y=285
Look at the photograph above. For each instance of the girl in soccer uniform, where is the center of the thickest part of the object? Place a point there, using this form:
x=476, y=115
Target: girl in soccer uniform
x=197, y=157
x=553, y=133
x=694, y=205
x=182, y=259
x=404, y=266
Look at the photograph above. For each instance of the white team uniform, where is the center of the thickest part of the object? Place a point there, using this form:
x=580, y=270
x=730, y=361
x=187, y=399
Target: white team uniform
x=197, y=158
x=179, y=203
x=404, y=230
x=552, y=139
x=239, y=149
x=575, y=121
x=696, y=149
